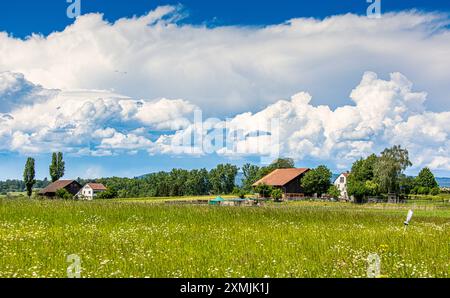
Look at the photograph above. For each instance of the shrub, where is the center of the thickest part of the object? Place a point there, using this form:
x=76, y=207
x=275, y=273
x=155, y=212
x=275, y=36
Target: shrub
x=423, y=190
x=276, y=194
x=242, y=194
x=415, y=190
x=63, y=194
x=239, y=192
x=435, y=191
x=264, y=190
x=109, y=193
x=334, y=192
x=356, y=189
x=236, y=191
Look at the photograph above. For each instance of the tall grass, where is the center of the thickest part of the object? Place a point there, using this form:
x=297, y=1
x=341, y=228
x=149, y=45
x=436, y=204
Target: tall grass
x=120, y=239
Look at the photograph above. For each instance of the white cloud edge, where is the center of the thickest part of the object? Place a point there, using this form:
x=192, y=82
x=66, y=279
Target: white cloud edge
x=101, y=123
x=55, y=117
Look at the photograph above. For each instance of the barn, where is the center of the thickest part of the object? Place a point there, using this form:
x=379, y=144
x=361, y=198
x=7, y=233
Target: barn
x=72, y=186
x=288, y=180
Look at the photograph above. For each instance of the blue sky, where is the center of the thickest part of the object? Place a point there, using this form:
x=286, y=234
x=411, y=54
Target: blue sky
x=396, y=62
x=24, y=17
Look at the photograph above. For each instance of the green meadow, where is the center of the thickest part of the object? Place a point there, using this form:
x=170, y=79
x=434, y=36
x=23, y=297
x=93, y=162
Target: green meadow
x=147, y=238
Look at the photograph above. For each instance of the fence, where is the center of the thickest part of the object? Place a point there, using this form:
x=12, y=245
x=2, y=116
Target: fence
x=294, y=196
x=193, y=202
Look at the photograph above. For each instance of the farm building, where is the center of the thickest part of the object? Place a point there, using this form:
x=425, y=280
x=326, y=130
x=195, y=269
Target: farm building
x=231, y=202
x=341, y=184
x=72, y=186
x=288, y=180
x=90, y=191
x=217, y=201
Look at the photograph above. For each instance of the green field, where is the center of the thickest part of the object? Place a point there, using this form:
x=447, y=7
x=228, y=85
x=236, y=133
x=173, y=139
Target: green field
x=144, y=238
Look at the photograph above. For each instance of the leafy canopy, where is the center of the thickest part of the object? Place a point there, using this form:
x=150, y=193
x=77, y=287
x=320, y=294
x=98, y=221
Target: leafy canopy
x=317, y=181
x=57, y=166
x=426, y=179
x=29, y=175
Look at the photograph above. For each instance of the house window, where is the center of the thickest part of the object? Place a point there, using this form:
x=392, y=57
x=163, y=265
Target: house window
x=342, y=180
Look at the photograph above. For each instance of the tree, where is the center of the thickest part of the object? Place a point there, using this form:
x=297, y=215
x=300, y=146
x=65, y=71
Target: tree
x=334, y=192
x=222, y=178
x=317, y=181
x=407, y=184
x=57, y=166
x=29, y=175
x=362, y=170
x=426, y=179
x=372, y=188
x=356, y=188
x=360, y=182
x=276, y=194
x=389, y=167
x=251, y=175
x=197, y=183
x=282, y=163
x=435, y=191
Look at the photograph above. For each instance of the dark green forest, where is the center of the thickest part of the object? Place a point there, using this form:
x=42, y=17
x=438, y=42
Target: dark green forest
x=180, y=182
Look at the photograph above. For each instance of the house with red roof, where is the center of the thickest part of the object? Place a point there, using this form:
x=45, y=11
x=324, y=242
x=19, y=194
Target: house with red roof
x=288, y=180
x=90, y=191
x=72, y=186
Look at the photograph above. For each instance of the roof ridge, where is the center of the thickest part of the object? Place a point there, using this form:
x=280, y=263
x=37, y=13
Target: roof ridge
x=281, y=176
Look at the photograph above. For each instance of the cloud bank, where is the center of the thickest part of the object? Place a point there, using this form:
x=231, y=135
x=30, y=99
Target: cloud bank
x=234, y=69
x=101, y=89
x=99, y=123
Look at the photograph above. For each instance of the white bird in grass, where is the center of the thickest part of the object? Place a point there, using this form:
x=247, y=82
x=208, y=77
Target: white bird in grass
x=408, y=217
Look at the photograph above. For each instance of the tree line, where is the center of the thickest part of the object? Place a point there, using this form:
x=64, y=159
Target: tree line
x=371, y=176
x=177, y=182
x=15, y=185
x=197, y=182
x=384, y=174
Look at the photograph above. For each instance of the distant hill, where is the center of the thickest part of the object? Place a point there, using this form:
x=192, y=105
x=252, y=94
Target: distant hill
x=443, y=181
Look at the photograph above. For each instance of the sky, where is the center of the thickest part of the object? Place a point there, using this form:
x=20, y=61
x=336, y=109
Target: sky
x=119, y=89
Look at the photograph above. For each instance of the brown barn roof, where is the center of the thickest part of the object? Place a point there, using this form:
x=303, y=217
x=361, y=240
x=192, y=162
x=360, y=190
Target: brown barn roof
x=97, y=186
x=55, y=186
x=281, y=177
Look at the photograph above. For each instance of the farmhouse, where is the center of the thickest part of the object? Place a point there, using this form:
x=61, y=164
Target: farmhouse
x=72, y=186
x=90, y=191
x=288, y=180
x=341, y=184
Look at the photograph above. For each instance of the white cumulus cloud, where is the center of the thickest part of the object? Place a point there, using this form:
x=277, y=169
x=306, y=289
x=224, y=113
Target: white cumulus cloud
x=233, y=69
x=99, y=88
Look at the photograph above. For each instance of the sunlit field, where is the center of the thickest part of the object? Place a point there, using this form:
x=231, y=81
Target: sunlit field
x=147, y=238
